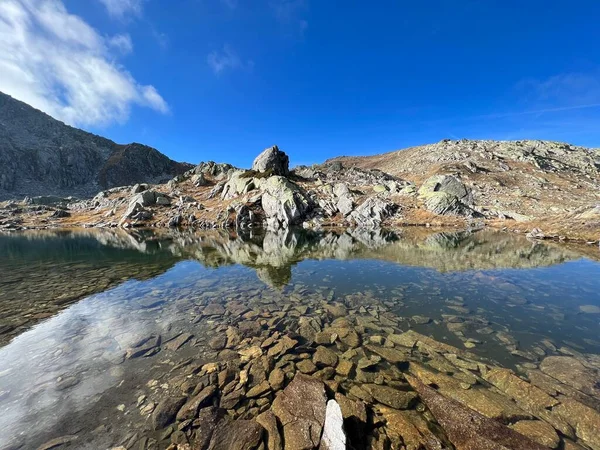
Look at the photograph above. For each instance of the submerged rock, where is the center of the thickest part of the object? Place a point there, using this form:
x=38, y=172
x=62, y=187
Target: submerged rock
x=236, y=435
x=166, y=411
x=301, y=410
x=467, y=429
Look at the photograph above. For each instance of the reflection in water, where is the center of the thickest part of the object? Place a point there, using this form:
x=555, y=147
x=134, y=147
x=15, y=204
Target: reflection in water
x=83, y=370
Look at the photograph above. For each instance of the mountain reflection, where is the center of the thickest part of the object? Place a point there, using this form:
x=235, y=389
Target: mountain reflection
x=42, y=271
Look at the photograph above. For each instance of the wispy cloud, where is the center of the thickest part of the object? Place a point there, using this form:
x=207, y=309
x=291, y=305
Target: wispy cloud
x=121, y=42
x=226, y=59
x=563, y=90
x=58, y=63
x=123, y=9
x=289, y=14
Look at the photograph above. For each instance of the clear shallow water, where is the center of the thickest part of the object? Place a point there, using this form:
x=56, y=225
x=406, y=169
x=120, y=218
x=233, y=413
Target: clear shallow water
x=76, y=307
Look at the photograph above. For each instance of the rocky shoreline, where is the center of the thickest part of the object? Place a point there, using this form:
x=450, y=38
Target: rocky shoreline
x=270, y=196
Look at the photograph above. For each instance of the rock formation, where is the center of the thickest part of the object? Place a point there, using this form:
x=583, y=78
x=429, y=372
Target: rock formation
x=42, y=156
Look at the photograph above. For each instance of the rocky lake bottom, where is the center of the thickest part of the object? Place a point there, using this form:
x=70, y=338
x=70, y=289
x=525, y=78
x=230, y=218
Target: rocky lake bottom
x=347, y=339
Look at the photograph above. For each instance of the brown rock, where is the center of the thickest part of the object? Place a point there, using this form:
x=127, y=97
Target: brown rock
x=484, y=401
x=301, y=410
x=268, y=420
x=190, y=409
x=529, y=397
x=392, y=355
x=259, y=390
x=400, y=427
x=213, y=309
x=236, y=435
x=390, y=396
x=355, y=419
x=177, y=342
x=572, y=372
x=207, y=421
x=325, y=357
x=467, y=429
x=166, y=411
x=538, y=431
x=344, y=367
x=306, y=366
x=584, y=419
x=282, y=346
x=276, y=379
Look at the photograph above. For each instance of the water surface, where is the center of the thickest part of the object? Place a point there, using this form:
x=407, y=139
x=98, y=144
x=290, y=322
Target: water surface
x=86, y=316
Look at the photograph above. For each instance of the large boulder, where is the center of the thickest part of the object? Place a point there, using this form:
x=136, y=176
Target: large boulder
x=272, y=160
x=283, y=202
x=446, y=194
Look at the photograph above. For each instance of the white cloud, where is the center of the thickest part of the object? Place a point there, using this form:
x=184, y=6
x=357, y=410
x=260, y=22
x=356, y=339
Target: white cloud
x=122, y=9
x=121, y=42
x=59, y=64
x=225, y=59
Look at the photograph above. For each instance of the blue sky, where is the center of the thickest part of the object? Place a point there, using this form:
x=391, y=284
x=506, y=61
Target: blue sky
x=223, y=79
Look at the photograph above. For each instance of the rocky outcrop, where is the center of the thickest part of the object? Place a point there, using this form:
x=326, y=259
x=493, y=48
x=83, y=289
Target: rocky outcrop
x=283, y=202
x=272, y=161
x=446, y=194
x=42, y=156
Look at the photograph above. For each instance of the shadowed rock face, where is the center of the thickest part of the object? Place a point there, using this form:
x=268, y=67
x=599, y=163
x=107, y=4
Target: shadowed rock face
x=42, y=156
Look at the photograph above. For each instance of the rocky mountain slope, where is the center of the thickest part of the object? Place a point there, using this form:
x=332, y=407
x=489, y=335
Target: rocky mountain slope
x=518, y=179
x=545, y=189
x=42, y=156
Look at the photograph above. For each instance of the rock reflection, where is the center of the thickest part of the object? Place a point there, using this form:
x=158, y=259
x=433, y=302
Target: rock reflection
x=43, y=271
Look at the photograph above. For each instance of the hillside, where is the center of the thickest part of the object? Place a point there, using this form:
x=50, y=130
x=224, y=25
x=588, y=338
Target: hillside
x=545, y=189
x=42, y=156
x=521, y=179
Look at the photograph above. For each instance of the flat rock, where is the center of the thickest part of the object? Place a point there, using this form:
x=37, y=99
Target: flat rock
x=301, y=410
x=538, y=431
x=400, y=428
x=324, y=357
x=166, y=411
x=236, y=435
x=392, y=355
x=585, y=420
x=190, y=409
x=572, y=372
x=390, y=396
x=57, y=442
x=466, y=428
x=177, y=342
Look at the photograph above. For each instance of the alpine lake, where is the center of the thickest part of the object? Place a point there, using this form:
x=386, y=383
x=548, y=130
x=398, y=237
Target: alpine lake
x=194, y=340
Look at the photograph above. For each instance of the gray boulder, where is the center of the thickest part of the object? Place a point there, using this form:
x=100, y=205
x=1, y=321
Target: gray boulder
x=283, y=202
x=273, y=160
x=372, y=212
x=446, y=195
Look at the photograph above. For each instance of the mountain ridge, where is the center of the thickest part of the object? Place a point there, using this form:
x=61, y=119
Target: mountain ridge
x=40, y=155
